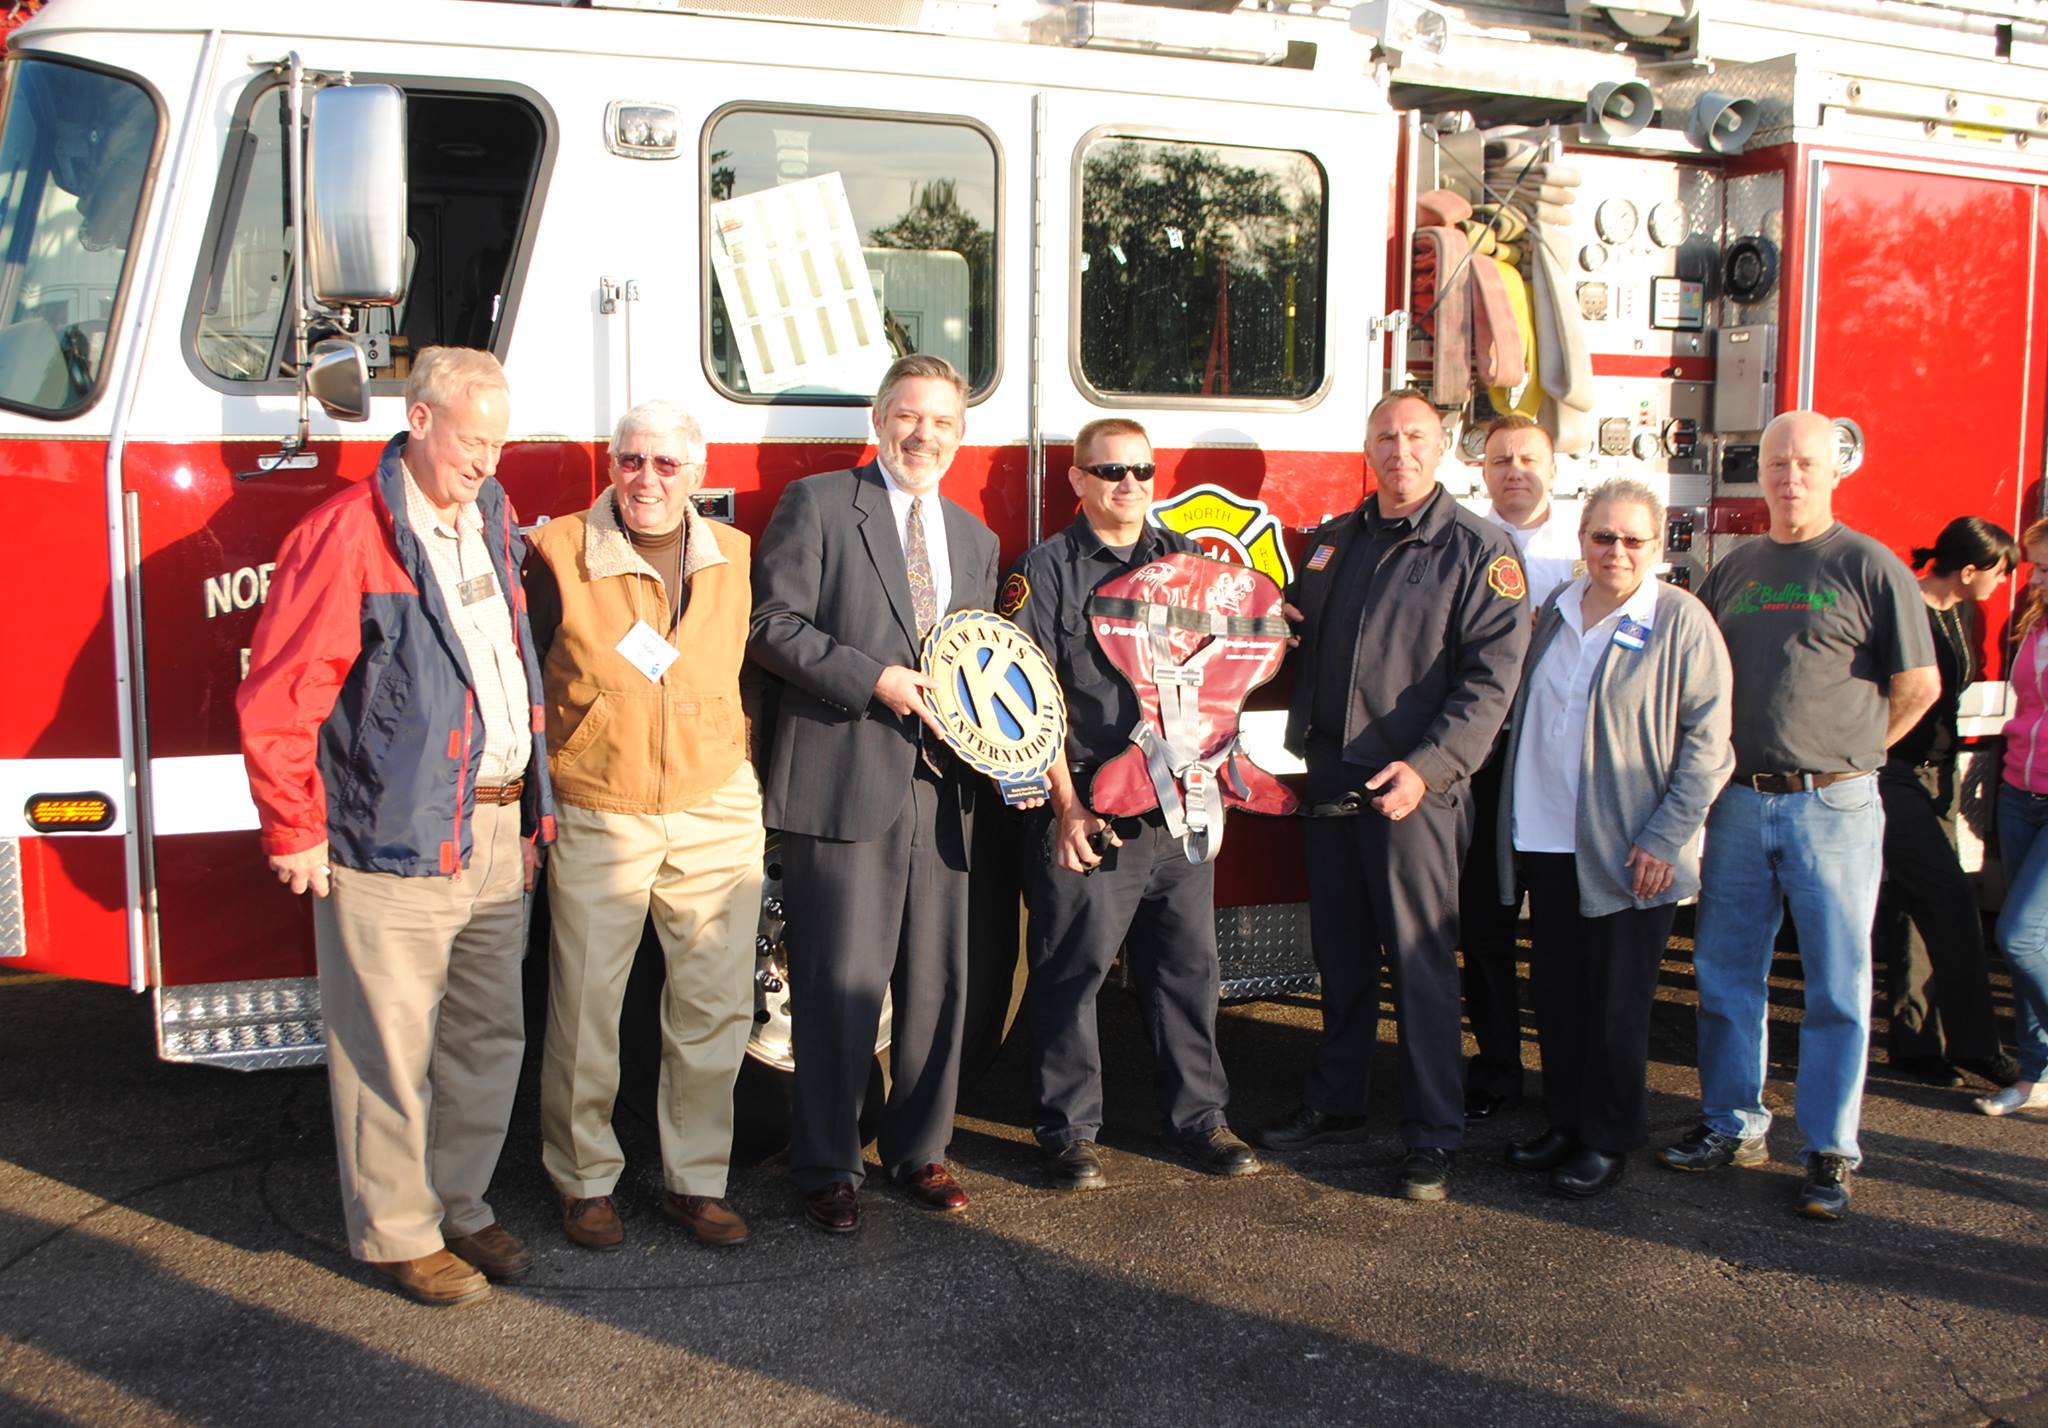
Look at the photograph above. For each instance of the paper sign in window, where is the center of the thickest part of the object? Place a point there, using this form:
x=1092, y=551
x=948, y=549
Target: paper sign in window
x=789, y=265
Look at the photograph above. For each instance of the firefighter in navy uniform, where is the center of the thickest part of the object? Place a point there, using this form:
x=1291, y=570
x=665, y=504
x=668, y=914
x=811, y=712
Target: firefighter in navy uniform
x=1414, y=619
x=1101, y=883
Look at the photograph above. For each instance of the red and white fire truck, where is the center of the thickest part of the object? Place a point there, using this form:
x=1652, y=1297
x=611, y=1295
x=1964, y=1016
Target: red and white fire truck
x=1201, y=216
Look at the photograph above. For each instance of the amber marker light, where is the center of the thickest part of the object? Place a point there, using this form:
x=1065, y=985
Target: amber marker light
x=70, y=812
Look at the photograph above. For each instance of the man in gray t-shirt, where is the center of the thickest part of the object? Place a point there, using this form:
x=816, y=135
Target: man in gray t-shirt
x=1833, y=662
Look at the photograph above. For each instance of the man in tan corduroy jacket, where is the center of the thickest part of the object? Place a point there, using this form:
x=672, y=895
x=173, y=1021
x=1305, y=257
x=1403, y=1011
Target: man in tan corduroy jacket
x=640, y=609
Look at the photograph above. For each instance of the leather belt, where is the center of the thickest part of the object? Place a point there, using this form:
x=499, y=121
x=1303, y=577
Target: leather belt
x=500, y=792
x=1800, y=782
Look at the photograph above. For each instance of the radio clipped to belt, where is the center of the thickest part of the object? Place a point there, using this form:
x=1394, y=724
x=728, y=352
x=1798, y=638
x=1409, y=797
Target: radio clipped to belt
x=1193, y=637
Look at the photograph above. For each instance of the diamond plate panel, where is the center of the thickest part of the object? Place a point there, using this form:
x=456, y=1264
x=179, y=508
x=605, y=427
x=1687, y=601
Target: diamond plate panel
x=13, y=913
x=1264, y=950
x=244, y=1026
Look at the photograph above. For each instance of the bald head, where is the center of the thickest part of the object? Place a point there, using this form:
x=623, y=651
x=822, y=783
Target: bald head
x=1799, y=475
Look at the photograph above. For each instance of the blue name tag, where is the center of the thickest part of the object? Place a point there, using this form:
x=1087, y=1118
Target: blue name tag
x=1629, y=635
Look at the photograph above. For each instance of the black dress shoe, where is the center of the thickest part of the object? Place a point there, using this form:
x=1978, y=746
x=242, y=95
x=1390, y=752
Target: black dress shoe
x=1425, y=1174
x=1217, y=1152
x=1934, y=1070
x=1587, y=1172
x=2000, y=1070
x=1481, y=1103
x=1305, y=1126
x=1546, y=1152
x=1075, y=1166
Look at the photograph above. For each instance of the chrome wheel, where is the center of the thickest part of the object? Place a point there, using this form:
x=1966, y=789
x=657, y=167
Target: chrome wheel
x=769, y=1043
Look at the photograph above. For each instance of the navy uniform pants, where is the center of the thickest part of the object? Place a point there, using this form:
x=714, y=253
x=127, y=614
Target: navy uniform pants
x=1384, y=894
x=887, y=914
x=1487, y=934
x=1147, y=897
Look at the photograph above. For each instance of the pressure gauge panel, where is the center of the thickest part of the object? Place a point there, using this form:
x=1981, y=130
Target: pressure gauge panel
x=1668, y=224
x=1615, y=220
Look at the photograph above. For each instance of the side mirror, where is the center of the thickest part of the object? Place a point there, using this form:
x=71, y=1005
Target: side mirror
x=355, y=196
x=338, y=378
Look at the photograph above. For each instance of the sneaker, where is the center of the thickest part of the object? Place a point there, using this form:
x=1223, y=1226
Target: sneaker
x=1425, y=1174
x=1826, y=1193
x=1705, y=1148
x=2020, y=1096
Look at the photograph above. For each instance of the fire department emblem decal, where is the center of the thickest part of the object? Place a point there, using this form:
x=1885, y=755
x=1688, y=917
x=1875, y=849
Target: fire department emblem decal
x=996, y=696
x=1505, y=576
x=1231, y=528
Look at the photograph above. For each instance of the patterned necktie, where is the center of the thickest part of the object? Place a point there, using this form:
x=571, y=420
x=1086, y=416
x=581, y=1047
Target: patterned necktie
x=924, y=596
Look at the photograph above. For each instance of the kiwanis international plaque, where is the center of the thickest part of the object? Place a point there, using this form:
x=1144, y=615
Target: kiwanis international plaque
x=996, y=697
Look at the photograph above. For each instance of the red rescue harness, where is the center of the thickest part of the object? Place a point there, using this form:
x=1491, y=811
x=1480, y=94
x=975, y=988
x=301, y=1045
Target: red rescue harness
x=1193, y=637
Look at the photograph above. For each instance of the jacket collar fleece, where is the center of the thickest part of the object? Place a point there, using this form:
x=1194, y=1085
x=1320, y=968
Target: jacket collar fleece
x=608, y=551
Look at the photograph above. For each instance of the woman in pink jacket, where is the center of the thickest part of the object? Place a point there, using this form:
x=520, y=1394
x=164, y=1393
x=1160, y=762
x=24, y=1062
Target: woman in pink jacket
x=2022, y=818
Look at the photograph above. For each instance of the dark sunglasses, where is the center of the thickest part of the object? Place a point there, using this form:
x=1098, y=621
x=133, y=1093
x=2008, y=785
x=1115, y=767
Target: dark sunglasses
x=1610, y=537
x=631, y=463
x=1115, y=471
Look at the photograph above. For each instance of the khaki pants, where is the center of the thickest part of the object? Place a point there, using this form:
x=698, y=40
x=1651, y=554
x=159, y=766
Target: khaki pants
x=419, y=986
x=699, y=871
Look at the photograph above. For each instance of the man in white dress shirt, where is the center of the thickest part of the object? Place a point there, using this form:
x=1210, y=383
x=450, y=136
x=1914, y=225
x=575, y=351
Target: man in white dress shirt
x=1520, y=467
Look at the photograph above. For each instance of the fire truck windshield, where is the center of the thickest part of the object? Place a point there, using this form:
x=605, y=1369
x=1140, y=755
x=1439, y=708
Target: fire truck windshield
x=75, y=148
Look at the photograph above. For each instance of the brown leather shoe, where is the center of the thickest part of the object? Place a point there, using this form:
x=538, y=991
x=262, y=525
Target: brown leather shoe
x=495, y=1251
x=438, y=1280
x=592, y=1223
x=934, y=1187
x=709, y=1220
x=835, y=1209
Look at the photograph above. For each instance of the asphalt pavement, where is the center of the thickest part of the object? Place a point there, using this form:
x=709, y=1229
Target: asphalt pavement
x=171, y=1252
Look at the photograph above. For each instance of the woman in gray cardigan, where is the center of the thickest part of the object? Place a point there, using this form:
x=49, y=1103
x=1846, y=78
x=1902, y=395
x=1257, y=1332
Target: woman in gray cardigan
x=1617, y=746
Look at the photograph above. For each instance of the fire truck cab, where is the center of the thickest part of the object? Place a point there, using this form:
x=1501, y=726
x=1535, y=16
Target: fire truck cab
x=226, y=227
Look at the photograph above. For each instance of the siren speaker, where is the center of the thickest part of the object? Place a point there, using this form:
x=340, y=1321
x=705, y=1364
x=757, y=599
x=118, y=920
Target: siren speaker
x=1721, y=125
x=1619, y=110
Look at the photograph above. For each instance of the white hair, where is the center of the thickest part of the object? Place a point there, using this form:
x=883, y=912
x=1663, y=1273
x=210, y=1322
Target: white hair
x=663, y=418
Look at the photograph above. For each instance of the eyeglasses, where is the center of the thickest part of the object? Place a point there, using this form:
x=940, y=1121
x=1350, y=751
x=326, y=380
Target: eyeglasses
x=632, y=462
x=1115, y=471
x=1610, y=537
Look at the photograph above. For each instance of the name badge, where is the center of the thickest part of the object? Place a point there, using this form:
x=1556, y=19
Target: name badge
x=1629, y=635
x=481, y=588
x=647, y=651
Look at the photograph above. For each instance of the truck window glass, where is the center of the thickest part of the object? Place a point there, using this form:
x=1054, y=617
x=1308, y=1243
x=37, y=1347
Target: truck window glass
x=1201, y=270
x=471, y=161
x=75, y=148
x=923, y=195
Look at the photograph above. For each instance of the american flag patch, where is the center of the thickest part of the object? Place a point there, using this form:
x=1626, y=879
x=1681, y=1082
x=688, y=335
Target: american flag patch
x=1322, y=557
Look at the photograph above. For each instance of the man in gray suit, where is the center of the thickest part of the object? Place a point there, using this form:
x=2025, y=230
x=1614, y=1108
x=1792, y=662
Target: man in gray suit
x=854, y=568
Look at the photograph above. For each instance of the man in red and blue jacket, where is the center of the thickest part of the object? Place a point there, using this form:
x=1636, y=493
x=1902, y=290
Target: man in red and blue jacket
x=391, y=724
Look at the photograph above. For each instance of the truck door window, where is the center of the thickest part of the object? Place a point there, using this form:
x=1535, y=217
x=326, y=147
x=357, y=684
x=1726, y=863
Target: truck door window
x=471, y=164
x=1201, y=271
x=923, y=196
x=75, y=150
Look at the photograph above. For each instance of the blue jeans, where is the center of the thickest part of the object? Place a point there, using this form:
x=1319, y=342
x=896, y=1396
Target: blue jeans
x=1819, y=853
x=2023, y=924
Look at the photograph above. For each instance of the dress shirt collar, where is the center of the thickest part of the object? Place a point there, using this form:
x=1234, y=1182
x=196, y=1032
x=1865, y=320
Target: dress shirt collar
x=1640, y=607
x=896, y=488
x=425, y=519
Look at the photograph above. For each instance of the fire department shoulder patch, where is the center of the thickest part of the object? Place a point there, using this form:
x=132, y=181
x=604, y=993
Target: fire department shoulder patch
x=1016, y=590
x=1505, y=576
